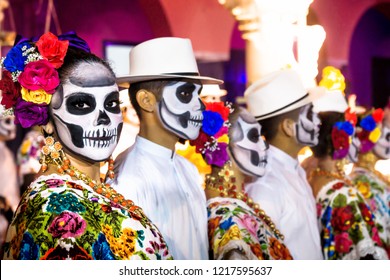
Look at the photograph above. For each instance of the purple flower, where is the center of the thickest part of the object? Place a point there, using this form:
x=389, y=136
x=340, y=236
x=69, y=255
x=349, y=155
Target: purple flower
x=218, y=157
x=67, y=224
x=29, y=114
x=340, y=153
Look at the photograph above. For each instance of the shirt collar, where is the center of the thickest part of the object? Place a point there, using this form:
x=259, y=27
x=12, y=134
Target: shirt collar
x=153, y=148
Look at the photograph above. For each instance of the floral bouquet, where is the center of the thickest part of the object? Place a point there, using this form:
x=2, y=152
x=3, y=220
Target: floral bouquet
x=29, y=76
x=369, y=132
x=213, y=137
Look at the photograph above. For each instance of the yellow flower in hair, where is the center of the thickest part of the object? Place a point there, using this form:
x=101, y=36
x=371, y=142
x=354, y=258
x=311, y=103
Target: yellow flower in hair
x=36, y=96
x=223, y=139
x=375, y=135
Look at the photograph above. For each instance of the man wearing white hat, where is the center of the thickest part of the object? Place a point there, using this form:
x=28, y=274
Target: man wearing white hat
x=164, y=91
x=283, y=107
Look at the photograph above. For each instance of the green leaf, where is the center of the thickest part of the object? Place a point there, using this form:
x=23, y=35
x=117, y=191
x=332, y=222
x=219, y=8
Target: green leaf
x=339, y=201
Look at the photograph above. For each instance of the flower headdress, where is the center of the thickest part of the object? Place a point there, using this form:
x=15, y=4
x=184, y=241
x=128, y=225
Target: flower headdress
x=213, y=137
x=369, y=132
x=30, y=76
x=342, y=133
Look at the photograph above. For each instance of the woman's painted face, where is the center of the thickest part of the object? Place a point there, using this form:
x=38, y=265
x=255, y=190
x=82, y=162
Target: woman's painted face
x=248, y=148
x=354, y=147
x=308, y=126
x=181, y=109
x=7, y=128
x=86, y=112
x=382, y=147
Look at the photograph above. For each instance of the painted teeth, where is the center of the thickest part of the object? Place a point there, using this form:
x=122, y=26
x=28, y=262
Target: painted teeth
x=90, y=142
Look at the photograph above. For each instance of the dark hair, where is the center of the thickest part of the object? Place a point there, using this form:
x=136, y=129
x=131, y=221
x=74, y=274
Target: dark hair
x=269, y=127
x=74, y=57
x=325, y=145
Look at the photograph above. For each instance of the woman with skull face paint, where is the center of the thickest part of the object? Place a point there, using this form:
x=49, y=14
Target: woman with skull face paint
x=237, y=227
x=348, y=228
x=67, y=213
x=374, y=134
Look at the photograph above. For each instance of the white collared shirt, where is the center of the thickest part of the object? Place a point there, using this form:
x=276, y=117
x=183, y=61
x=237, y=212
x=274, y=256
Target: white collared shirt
x=285, y=195
x=168, y=188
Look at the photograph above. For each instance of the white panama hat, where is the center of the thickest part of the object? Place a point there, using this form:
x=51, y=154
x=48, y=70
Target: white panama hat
x=212, y=90
x=163, y=58
x=332, y=101
x=279, y=92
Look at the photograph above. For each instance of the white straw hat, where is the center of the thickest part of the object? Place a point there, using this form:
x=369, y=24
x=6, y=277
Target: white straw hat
x=277, y=93
x=163, y=58
x=332, y=101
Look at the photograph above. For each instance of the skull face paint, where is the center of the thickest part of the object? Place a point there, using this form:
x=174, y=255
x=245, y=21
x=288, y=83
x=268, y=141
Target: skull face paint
x=382, y=147
x=247, y=147
x=180, y=109
x=354, y=148
x=308, y=126
x=7, y=129
x=88, y=118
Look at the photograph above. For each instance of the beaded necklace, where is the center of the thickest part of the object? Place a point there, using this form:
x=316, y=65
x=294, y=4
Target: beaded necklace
x=336, y=175
x=52, y=153
x=225, y=184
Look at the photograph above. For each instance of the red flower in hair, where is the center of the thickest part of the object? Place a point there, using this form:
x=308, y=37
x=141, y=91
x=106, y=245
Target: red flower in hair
x=52, y=49
x=340, y=138
x=218, y=107
x=377, y=115
x=351, y=116
x=200, y=141
x=10, y=90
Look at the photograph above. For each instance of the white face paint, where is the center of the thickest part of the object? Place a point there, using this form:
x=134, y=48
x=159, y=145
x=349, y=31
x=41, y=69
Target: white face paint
x=308, y=126
x=354, y=147
x=248, y=148
x=180, y=109
x=7, y=129
x=89, y=120
x=382, y=147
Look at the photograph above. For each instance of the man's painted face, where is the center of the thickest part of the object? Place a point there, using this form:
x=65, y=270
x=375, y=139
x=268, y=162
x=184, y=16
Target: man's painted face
x=308, y=126
x=7, y=129
x=86, y=114
x=248, y=148
x=180, y=109
x=354, y=148
x=382, y=147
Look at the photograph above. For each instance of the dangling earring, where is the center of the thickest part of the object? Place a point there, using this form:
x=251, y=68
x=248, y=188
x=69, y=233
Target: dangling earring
x=52, y=153
x=110, y=172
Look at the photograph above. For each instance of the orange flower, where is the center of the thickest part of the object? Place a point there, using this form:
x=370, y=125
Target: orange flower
x=212, y=225
x=278, y=251
x=256, y=249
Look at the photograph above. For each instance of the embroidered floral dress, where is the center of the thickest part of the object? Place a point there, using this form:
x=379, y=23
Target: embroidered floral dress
x=233, y=225
x=377, y=198
x=60, y=218
x=348, y=228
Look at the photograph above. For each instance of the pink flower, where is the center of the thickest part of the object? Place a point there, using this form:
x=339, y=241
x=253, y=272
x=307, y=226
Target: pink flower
x=342, y=243
x=39, y=75
x=250, y=224
x=67, y=224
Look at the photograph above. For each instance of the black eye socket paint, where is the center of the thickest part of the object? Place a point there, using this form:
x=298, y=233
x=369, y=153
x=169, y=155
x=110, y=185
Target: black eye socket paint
x=112, y=103
x=184, y=92
x=253, y=135
x=80, y=103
